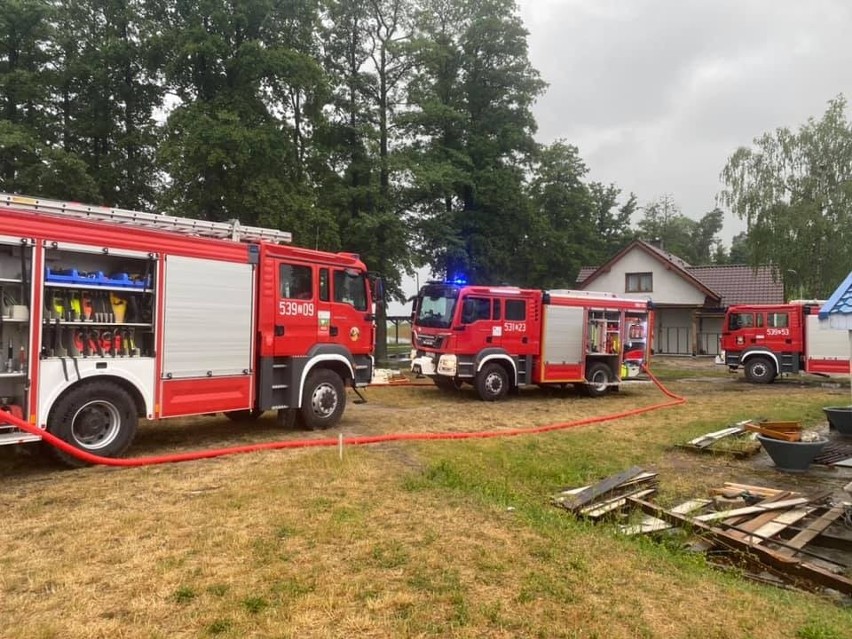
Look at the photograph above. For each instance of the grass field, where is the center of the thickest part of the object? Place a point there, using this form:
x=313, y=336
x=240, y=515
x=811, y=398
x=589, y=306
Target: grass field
x=444, y=539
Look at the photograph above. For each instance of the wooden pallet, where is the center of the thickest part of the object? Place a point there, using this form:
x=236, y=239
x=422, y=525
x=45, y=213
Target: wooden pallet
x=762, y=526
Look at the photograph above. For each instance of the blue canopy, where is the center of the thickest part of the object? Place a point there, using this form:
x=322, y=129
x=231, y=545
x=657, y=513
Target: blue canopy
x=840, y=302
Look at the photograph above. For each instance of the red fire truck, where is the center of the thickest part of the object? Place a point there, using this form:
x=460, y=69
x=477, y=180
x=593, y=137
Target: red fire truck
x=769, y=340
x=501, y=338
x=111, y=315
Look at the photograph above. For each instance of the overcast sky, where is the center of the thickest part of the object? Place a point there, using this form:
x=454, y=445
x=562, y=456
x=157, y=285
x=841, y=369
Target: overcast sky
x=658, y=93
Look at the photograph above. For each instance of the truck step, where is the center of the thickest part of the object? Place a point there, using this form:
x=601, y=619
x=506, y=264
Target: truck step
x=17, y=437
x=280, y=386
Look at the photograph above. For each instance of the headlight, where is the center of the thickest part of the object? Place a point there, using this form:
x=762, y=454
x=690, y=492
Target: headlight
x=447, y=365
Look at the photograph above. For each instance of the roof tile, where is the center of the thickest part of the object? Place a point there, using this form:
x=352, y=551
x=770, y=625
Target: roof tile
x=735, y=283
x=740, y=283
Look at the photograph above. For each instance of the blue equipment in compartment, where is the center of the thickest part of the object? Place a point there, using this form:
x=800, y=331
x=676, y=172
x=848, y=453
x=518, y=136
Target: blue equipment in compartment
x=98, y=278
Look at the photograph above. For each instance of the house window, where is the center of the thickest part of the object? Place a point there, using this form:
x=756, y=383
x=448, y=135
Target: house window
x=639, y=283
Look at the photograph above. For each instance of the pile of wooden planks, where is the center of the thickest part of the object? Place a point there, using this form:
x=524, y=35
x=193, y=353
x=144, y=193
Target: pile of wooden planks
x=788, y=431
x=767, y=528
x=608, y=496
x=734, y=440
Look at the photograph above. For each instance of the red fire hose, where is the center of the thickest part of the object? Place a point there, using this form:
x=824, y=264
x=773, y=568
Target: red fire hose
x=82, y=455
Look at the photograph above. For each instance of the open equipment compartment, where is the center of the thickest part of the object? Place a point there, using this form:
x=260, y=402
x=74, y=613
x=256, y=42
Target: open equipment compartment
x=15, y=292
x=98, y=304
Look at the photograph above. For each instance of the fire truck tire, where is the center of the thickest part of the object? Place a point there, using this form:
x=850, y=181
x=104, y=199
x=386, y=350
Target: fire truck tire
x=323, y=399
x=760, y=370
x=492, y=382
x=597, y=379
x=249, y=415
x=447, y=383
x=98, y=417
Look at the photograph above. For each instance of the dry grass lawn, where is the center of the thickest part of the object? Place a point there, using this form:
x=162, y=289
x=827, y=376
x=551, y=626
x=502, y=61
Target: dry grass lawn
x=445, y=539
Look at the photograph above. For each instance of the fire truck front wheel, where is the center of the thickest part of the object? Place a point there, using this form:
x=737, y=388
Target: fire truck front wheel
x=98, y=417
x=492, y=382
x=759, y=370
x=323, y=399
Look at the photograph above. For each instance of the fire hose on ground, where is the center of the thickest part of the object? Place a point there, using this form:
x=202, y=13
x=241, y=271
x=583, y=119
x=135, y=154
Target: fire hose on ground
x=53, y=440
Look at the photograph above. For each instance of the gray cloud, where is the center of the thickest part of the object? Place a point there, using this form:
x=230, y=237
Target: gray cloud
x=657, y=94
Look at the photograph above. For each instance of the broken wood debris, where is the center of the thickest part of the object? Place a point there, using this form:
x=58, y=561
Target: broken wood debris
x=711, y=438
x=778, y=531
x=802, y=572
x=733, y=440
x=787, y=431
x=609, y=495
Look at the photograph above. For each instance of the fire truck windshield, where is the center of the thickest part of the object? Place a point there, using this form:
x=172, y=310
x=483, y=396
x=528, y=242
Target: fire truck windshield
x=436, y=305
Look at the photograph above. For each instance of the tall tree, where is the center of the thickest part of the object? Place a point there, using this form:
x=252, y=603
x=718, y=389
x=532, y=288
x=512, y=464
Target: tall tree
x=705, y=237
x=30, y=160
x=227, y=151
x=106, y=93
x=740, y=253
x=612, y=220
x=472, y=102
x=563, y=236
x=794, y=189
x=371, y=61
x=663, y=223
x=434, y=127
x=696, y=242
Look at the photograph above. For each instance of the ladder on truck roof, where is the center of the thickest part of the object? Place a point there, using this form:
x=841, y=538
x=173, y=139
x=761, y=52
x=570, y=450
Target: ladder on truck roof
x=231, y=230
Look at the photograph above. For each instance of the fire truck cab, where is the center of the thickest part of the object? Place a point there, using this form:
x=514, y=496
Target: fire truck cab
x=770, y=340
x=500, y=338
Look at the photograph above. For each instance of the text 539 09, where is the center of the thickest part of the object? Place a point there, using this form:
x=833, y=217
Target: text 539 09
x=289, y=307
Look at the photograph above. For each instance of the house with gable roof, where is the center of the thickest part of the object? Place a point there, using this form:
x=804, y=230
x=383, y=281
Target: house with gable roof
x=689, y=301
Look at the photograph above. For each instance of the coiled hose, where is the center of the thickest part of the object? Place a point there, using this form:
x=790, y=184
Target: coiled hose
x=53, y=440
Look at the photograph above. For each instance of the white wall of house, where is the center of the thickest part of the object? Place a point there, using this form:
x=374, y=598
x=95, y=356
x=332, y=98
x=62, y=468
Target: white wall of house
x=668, y=287
x=673, y=332
x=709, y=330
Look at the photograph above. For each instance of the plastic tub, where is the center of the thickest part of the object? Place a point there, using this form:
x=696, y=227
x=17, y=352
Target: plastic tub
x=792, y=457
x=839, y=418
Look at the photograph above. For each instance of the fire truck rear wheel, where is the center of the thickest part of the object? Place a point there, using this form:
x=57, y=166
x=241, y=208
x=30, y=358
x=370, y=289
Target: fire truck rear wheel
x=760, y=370
x=323, y=399
x=98, y=417
x=492, y=383
x=597, y=379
